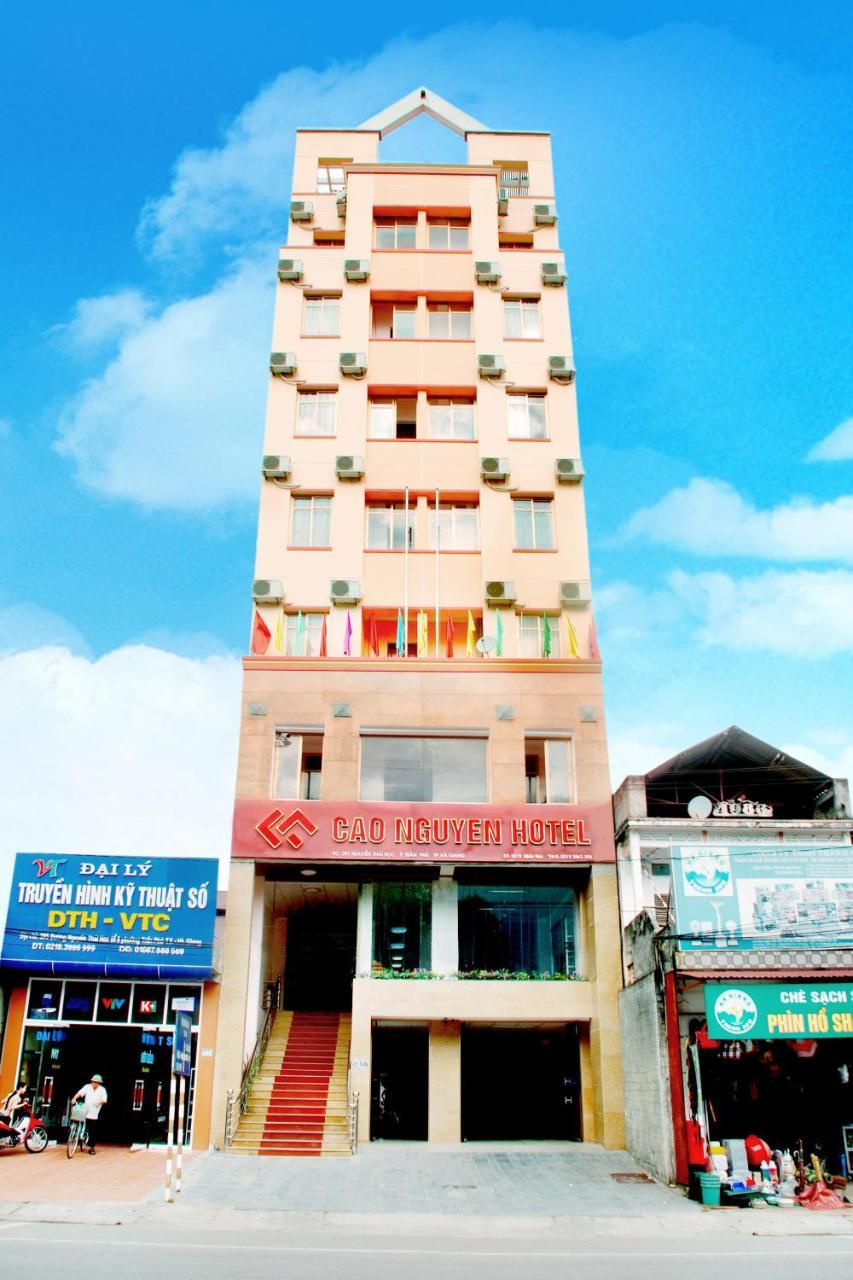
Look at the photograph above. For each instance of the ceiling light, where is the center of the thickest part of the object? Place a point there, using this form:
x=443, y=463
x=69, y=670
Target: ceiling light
x=308, y=871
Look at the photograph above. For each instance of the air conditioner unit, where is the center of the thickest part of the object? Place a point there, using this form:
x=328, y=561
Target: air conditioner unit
x=341, y=202
x=487, y=272
x=561, y=369
x=289, y=269
x=574, y=594
x=544, y=215
x=276, y=466
x=349, y=466
x=301, y=211
x=503, y=202
x=569, y=470
x=345, y=591
x=353, y=364
x=553, y=273
x=283, y=363
x=357, y=268
x=500, y=593
x=267, y=591
x=494, y=468
x=489, y=366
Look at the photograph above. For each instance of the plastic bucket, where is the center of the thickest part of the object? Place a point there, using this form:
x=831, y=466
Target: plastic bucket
x=709, y=1184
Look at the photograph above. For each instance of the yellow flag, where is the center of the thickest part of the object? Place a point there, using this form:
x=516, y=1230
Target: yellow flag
x=279, y=632
x=573, y=640
x=423, y=634
x=471, y=637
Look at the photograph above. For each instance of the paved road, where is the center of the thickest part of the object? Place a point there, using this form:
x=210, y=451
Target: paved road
x=102, y=1253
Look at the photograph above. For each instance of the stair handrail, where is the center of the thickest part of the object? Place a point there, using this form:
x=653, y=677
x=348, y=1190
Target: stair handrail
x=352, y=1113
x=241, y=1102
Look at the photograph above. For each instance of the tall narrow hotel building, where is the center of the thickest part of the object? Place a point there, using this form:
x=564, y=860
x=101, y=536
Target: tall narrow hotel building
x=422, y=919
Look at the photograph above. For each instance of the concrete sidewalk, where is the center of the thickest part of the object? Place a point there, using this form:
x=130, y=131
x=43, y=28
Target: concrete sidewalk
x=473, y=1190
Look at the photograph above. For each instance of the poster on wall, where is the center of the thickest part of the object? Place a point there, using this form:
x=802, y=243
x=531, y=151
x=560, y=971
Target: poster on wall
x=779, y=1011
x=111, y=917
x=760, y=896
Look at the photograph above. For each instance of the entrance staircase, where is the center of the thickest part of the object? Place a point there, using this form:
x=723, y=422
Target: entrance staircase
x=298, y=1102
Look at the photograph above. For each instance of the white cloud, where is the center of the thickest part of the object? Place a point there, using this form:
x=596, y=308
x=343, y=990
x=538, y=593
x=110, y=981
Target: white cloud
x=709, y=517
x=25, y=626
x=173, y=418
x=802, y=613
x=133, y=754
x=836, y=764
x=106, y=319
x=836, y=447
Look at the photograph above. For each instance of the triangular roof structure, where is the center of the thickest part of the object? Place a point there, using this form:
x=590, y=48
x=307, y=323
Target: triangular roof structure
x=423, y=101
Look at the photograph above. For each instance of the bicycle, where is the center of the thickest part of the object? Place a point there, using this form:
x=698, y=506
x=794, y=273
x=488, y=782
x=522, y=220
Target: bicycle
x=78, y=1134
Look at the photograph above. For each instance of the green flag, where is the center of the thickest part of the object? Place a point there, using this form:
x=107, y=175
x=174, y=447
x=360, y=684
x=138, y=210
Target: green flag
x=499, y=635
x=300, y=633
x=546, y=636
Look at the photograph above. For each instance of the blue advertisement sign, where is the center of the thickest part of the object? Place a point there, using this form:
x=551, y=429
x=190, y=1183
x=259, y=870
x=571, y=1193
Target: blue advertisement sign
x=759, y=896
x=182, y=1045
x=129, y=918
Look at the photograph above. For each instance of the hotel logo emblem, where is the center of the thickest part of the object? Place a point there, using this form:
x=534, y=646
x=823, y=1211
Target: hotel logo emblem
x=292, y=829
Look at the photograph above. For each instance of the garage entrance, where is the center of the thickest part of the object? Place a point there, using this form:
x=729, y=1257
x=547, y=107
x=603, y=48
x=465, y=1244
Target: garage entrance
x=400, y=1083
x=520, y=1083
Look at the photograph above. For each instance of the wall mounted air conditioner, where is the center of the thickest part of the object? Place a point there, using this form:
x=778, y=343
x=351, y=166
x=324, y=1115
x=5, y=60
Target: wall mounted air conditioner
x=569, y=470
x=301, y=210
x=487, y=272
x=500, y=592
x=561, y=369
x=544, y=215
x=345, y=591
x=494, y=468
x=267, y=591
x=349, y=466
x=553, y=273
x=283, y=363
x=574, y=594
x=357, y=268
x=289, y=269
x=276, y=466
x=353, y=364
x=489, y=366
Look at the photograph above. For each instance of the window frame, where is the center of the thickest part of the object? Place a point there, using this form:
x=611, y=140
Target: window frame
x=309, y=310
x=316, y=399
x=450, y=309
x=529, y=309
x=534, y=505
x=395, y=224
x=451, y=403
x=452, y=508
x=525, y=631
x=298, y=500
x=328, y=187
x=449, y=226
x=395, y=308
x=393, y=510
x=393, y=402
x=397, y=738
x=309, y=744
x=543, y=745
x=313, y=632
x=528, y=399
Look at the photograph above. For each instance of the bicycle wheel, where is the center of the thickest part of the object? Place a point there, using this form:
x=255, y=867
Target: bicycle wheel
x=73, y=1138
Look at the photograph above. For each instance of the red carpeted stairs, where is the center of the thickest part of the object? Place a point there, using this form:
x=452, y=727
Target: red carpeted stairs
x=296, y=1115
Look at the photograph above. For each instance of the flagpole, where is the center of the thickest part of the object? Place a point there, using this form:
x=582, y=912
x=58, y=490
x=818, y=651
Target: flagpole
x=405, y=652
x=437, y=575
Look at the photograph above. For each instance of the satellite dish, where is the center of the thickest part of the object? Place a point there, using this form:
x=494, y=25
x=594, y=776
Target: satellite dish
x=486, y=644
x=700, y=807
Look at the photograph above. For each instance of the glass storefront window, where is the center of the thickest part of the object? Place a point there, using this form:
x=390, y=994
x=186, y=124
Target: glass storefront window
x=44, y=1001
x=425, y=769
x=149, y=1003
x=113, y=1002
x=183, y=1000
x=402, y=922
x=78, y=1002
x=523, y=928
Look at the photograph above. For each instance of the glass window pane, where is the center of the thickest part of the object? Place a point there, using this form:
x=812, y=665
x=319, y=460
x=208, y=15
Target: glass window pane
x=536, y=412
x=113, y=1002
x=523, y=525
x=402, y=918
x=183, y=1000
x=44, y=1001
x=321, y=533
x=312, y=316
x=517, y=424
x=459, y=237
x=530, y=642
x=288, y=756
x=557, y=770
x=460, y=324
x=427, y=769
x=543, y=526
x=530, y=319
x=439, y=417
x=331, y=317
x=383, y=421
x=437, y=235
x=466, y=528
x=377, y=529
x=78, y=1002
x=512, y=319
x=463, y=421
x=384, y=237
x=404, y=322
x=302, y=522
x=439, y=322
x=522, y=928
x=326, y=416
x=406, y=235
x=149, y=1003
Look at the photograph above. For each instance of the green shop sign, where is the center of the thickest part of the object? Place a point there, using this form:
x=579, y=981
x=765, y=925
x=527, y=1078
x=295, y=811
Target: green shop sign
x=779, y=1010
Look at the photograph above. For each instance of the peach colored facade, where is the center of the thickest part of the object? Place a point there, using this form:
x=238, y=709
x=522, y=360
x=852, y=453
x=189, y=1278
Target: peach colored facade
x=508, y=697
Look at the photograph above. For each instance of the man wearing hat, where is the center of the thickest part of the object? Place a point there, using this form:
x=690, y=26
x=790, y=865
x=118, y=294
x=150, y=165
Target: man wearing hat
x=94, y=1095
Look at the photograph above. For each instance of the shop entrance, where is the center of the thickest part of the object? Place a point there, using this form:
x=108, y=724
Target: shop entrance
x=520, y=1083
x=320, y=958
x=399, y=1103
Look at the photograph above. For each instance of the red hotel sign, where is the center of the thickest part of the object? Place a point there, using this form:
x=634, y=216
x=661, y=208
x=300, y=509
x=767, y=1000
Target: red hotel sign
x=320, y=830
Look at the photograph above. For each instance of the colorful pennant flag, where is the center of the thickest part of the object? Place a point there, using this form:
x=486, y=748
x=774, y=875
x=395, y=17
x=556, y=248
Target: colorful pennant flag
x=279, y=631
x=546, y=636
x=448, y=638
x=499, y=635
x=373, y=635
x=323, y=637
x=574, y=651
x=471, y=636
x=401, y=636
x=301, y=635
x=348, y=636
x=423, y=634
x=260, y=635
x=594, y=651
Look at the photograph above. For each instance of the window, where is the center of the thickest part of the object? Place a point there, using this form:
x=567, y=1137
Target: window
x=402, y=919
x=43, y=1004
x=113, y=1002
x=316, y=413
x=449, y=320
x=387, y=525
x=298, y=766
x=394, y=233
x=322, y=318
x=448, y=235
x=521, y=318
x=393, y=419
x=330, y=176
x=523, y=928
x=78, y=1002
x=515, y=179
x=547, y=769
x=451, y=419
x=457, y=526
x=183, y=1000
x=534, y=525
x=393, y=320
x=303, y=634
x=312, y=519
x=425, y=769
x=526, y=417
x=538, y=640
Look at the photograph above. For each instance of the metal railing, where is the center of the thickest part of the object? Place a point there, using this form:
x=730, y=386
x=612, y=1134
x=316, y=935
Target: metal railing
x=352, y=1121
x=236, y=1104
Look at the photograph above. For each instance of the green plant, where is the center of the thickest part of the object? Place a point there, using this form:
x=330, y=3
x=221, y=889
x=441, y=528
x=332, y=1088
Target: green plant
x=515, y=975
x=393, y=974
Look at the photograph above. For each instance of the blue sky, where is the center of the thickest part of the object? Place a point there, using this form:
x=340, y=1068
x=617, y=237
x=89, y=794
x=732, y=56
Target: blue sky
x=705, y=186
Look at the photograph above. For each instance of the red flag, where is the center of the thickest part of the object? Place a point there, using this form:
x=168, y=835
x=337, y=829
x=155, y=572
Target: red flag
x=594, y=651
x=373, y=636
x=261, y=635
x=449, y=637
x=323, y=637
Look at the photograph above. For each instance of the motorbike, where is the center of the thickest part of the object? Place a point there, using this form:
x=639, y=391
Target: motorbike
x=25, y=1129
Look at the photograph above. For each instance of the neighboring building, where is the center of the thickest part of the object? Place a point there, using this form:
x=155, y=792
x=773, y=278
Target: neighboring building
x=422, y=798
x=98, y=958
x=736, y=895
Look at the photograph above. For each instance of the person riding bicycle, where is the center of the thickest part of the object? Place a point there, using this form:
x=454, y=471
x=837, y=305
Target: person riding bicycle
x=94, y=1096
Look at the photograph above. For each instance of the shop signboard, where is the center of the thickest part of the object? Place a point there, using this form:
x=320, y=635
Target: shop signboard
x=779, y=1010
x=111, y=918
x=762, y=896
x=310, y=830
x=182, y=1045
